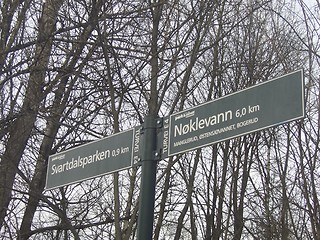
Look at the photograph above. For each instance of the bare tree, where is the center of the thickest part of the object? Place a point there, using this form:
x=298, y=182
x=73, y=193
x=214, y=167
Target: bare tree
x=22, y=126
x=74, y=71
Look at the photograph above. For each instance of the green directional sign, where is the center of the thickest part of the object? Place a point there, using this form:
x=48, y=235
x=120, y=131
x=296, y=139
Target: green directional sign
x=96, y=158
x=264, y=105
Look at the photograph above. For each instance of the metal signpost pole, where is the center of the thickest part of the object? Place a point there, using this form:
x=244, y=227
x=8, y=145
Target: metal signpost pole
x=148, y=179
x=265, y=105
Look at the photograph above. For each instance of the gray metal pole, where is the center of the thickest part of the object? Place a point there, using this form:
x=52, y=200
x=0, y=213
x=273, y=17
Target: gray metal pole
x=148, y=179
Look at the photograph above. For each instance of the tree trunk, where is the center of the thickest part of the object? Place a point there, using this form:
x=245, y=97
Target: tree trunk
x=38, y=181
x=22, y=126
x=53, y=124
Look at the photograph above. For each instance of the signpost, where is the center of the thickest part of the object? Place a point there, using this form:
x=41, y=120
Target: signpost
x=259, y=107
x=268, y=104
x=94, y=159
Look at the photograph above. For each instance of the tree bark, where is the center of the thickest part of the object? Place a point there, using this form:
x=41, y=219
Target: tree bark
x=38, y=181
x=53, y=123
x=22, y=126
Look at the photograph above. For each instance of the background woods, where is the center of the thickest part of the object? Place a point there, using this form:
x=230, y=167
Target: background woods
x=73, y=71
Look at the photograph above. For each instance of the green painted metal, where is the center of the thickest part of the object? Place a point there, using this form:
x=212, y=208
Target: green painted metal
x=148, y=179
x=107, y=155
x=265, y=105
